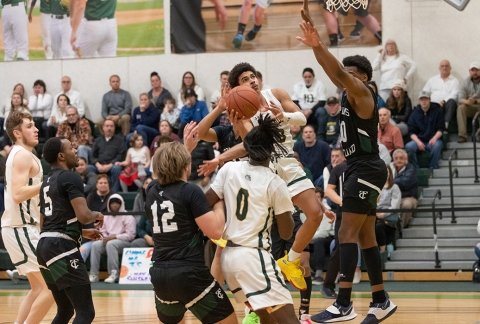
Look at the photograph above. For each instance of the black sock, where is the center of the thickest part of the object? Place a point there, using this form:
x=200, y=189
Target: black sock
x=379, y=297
x=305, y=295
x=333, y=39
x=241, y=28
x=348, y=263
x=256, y=28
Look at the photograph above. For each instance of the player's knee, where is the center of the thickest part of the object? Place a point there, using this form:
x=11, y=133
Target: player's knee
x=247, y=3
x=85, y=315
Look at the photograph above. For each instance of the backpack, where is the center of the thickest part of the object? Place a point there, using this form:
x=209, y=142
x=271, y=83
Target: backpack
x=476, y=271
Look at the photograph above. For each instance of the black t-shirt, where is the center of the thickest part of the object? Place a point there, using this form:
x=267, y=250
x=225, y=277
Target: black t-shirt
x=58, y=189
x=336, y=179
x=226, y=138
x=172, y=210
x=358, y=136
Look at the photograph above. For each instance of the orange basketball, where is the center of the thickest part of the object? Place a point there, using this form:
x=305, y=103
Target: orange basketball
x=244, y=100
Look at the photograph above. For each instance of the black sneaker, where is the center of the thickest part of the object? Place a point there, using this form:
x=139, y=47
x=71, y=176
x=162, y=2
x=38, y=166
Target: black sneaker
x=328, y=293
x=335, y=313
x=379, y=312
x=250, y=35
x=355, y=34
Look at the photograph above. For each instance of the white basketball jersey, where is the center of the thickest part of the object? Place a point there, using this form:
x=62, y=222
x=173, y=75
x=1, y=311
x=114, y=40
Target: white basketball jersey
x=252, y=195
x=27, y=212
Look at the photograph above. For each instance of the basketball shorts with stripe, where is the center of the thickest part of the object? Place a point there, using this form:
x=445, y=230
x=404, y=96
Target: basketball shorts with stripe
x=290, y=170
x=21, y=244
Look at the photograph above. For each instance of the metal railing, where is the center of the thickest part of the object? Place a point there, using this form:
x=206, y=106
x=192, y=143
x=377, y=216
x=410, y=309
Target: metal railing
x=438, y=195
x=474, y=140
x=451, y=173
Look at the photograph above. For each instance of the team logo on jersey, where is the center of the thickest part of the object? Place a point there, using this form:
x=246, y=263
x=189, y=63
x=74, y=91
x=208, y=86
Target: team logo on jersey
x=74, y=263
x=248, y=177
x=219, y=293
x=362, y=194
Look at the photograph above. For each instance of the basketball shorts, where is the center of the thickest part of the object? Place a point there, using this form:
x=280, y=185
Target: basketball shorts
x=179, y=287
x=21, y=243
x=360, y=12
x=263, y=3
x=279, y=246
x=253, y=275
x=290, y=170
x=61, y=263
x=364, y=181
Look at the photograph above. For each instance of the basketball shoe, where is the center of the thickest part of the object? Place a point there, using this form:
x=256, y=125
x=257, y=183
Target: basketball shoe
x=379, y=311
x=293, y=272
x=237, y=41
x=334, y=313
x=251, y=318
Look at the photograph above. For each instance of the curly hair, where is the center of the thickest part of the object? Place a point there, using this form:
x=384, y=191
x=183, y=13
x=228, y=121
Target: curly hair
x=361, y=63
x=237, y=71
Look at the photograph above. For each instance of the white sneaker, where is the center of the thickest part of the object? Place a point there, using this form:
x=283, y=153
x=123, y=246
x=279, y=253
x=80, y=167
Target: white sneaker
x=13, y=275
x=379, y=312
x=93, y=278
x=358, y=276
x=112, y=277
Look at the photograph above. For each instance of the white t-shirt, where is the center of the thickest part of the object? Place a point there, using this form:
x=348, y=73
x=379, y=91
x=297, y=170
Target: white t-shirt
x=308, y=97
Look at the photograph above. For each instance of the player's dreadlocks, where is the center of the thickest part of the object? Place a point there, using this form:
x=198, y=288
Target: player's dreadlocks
x=264, y=139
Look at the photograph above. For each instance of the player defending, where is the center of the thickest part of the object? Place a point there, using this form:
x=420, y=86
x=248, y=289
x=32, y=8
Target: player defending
x=253, y=196
x=364, y=177
x=179, y=212
x=64, y=209
x=20, y=221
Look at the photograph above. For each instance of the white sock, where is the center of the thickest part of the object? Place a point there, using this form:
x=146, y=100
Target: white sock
x=292, y=255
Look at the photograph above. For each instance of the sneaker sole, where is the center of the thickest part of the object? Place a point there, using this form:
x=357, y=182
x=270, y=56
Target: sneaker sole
x=389, y=314
x=294, y=285
x=349, y=317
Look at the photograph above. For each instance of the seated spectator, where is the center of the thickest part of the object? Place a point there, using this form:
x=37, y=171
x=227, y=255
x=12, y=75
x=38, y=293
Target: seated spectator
x=400, y=106
x=328, y=124
x=468, y=101
x=217, y=93
x=309, y=95
x=136, y=164
x=388, y=134
x=477, y=247
x=165, y=129
x=313, y=154
x=443, y=89
x=5, y=109
x=144, y=226
x=158, y=94
x=336, y=157
x=425, y=126
x=16, y=103
x=145, y=120
x=89, y=178
x=202, y=152
x=74, y=96
x=380, y=101
x=386, y=225
x=405, y=177
x=117, y=106
x=58, y=115
x=108, y=149
x=40, y=105
x=118, y=232
x=77, y=130
x=188, y=82
x=193, y=110
x=171, y=114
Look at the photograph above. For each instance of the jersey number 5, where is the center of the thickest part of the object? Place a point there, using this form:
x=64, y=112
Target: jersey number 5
x=166, y=211
x=47, y=202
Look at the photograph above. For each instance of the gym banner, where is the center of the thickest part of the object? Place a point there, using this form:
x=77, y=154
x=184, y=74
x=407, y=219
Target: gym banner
x=67, y=29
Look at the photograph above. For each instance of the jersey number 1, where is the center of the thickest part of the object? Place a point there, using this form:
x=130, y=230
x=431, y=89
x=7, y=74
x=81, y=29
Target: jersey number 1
x=166, y=216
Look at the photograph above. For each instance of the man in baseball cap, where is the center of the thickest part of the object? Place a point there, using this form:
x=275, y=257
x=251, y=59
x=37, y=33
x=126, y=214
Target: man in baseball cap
x=468, y=100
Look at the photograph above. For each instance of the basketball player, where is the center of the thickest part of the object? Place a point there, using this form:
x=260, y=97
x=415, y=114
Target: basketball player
x=179, y=212
x=96, y=36
x=63, y=210
x=365, y=175
x=253, y=196
x=45, y=20
x=259, y=17
x=20, y=221
x=15, y=30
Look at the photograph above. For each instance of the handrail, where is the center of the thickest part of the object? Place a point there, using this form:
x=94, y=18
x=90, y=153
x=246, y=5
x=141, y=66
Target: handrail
x=438, y=195
x=450, y=177
x=474, y=140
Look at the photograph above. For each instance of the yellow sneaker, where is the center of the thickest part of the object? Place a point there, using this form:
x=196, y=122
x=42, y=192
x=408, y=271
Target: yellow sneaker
x=220, y=242
x=293, y=272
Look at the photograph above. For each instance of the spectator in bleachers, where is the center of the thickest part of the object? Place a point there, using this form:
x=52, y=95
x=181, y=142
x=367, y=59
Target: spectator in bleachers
x=309, y=95
x=145, y=120
x=336, y=157
x=425, y=126
x=405, y=177
x=118, y=232
x=400, y=105
x=328, y=124
x=40, y=105
x=136, y=164
x=443, y=89
x=386, y=225
x=89, y=178
x=5, y=108
x=17, y=102
x=314, y=154
x=57, y=115
x=217, y=93
x=74, y=96
x=166, y=130
x=171, y=114
x=468, y=101
x=108, y=149
x=188, y=82
x=193, y=110
x=77, y=130
x=144, y=226
x=117, y=105
x=158, y=94
x=388, y=133
x=392, y=66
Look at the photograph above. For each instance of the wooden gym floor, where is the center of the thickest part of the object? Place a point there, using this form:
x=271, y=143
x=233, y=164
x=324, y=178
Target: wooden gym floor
x=137, y=306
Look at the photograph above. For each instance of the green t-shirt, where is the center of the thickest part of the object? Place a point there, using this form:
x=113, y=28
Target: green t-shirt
x=98, y=9
x=57, y=8
x=45, y=6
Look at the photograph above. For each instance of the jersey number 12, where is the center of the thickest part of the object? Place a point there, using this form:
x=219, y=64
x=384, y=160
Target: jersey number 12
x=166, y=215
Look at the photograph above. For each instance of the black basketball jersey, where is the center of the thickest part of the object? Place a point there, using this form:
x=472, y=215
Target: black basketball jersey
x=358, y=136
x=172, y=210
x=58, y=189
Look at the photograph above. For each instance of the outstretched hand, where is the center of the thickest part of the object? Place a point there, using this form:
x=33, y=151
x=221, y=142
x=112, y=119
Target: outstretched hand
x=310, y=34
x=208, y=167
x=305, y=12
x=190, y=136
